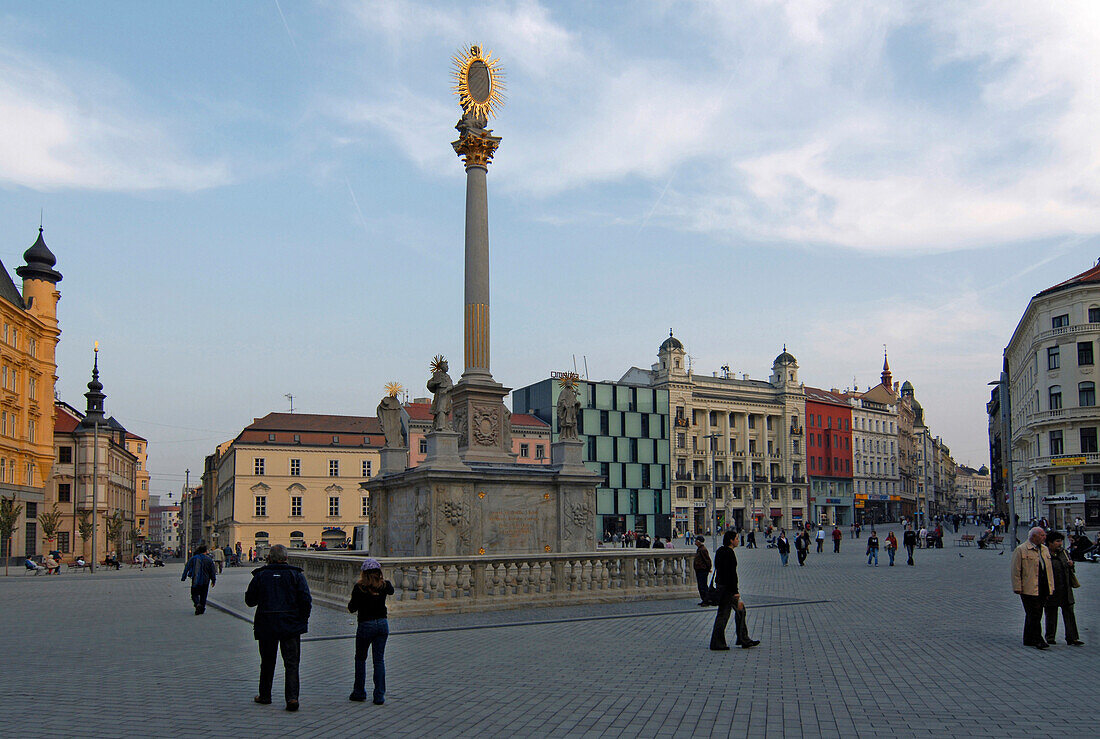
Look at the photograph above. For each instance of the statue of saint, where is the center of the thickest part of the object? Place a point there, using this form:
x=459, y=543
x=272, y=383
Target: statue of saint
x=440, y=387
x=568, y=408
x=389, y=417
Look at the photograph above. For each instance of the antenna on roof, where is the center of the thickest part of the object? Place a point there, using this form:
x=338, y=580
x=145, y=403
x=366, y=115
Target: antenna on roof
x=290, y=397
x=585, y=358
x=41, y=217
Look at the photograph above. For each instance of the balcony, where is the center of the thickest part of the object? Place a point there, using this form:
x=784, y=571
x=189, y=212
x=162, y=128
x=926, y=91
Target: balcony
x=1062, y=415
x=778, y=478
x=683, y=475
x=741, y=478
x=796, y=431
x=1042, y=463
x=702, y=476
x=800, y=479
x=722, y=478
x=1080, y=328
x=759, y=477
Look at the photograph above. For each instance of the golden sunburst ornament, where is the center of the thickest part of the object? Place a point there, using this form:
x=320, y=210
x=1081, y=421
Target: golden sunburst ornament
x=439, y=363
x=393, y=389
x=479, y=82
x=569, y=380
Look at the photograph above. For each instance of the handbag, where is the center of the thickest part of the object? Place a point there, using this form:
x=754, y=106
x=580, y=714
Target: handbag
x=1073, y=581
x=712, y=592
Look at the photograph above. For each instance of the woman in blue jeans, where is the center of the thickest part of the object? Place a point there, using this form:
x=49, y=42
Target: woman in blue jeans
x=368, y=600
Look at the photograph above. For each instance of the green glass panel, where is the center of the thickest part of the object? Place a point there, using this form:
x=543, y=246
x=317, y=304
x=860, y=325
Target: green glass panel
x=662, y=451
x=662, y=402
x=647, y=451
x=656, y=426
x=615, y=423
x=615, y=476
x=666, y=501
x=605, y=396
x=633, y=476
x=590, y=421
x=623, y=497
x=605, y=449
x=632, y=423
x=622, y=397
x=645, y=400
x=605, y=500
x=645, y=502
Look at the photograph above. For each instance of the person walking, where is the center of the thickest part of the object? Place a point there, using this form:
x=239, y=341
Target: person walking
x=922, y=538
x=751, y=540
x=218, y=555
x=837, y=536
x=820, y=539
x=909, y=540
x=802, y=547
x=702, y=565
x=280, y=595
x=1065, y=580
x=200, y=568
x=729, y=598
x=1033, y=581
x=368, y=601
x=783, y=546
x=891, y=546
x=872, y=548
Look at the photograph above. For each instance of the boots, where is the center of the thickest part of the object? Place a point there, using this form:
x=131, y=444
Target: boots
x=359, y=690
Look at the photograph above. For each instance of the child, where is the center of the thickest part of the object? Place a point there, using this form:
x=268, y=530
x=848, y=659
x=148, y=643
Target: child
x=368, y=599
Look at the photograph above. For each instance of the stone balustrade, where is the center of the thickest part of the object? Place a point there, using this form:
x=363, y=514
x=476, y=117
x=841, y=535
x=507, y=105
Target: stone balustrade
x=487, y=583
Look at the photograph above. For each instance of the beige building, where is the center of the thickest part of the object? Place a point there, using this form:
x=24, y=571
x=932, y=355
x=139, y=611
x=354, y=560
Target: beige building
x=295, y=479
x=139, y=447
x=875, y=470
x=745, y=434
x=28, y=372
x=972, y=488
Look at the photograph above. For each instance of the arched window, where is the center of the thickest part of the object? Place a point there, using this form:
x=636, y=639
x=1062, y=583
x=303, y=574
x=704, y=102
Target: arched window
x=1086, y=394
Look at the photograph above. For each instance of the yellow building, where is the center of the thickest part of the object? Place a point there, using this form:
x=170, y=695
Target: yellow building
x=28, y=372
x=295, y=479
x=139, y=447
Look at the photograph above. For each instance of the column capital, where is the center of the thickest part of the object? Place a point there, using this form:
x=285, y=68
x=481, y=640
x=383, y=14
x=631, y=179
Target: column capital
x=476, y=150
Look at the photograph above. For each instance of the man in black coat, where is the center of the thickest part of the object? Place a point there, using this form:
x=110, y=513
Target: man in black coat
x=1062, y=597
x=729, y=597
x=909, y=541
x=283, y=604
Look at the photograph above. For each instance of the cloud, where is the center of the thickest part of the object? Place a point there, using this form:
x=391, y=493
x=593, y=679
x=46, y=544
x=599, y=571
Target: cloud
x=72, y=130
x=881, y=126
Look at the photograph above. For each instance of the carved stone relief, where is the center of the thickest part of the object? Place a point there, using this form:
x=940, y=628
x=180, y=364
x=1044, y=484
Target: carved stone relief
x=485, y=427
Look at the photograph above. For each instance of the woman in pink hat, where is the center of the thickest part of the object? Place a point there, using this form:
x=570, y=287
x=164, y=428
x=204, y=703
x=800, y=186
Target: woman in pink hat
x=368, y=600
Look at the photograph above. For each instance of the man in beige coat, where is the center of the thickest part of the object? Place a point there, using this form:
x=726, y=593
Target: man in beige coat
x=1033, y=581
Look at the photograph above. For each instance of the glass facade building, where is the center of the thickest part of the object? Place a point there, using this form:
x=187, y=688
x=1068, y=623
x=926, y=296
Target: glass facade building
x=625, y=433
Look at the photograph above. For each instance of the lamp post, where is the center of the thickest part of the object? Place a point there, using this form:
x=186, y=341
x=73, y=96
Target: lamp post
x=1006, y=449
x=712, y=442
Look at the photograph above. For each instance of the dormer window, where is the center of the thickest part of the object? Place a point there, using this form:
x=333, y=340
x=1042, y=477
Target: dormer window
x=677, y=364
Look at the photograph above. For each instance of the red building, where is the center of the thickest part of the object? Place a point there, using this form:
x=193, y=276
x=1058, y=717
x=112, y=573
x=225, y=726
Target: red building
x=829, y=456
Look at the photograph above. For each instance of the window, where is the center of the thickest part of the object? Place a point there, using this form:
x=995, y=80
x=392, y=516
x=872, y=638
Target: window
x=295, y=468
x=681, y=492
x=333, y=506
x=1088, y=440
x=1086, y=394
x=63, y=541
x=144, y=484
x=297, y=438
x=1055, y=443
x=364, y=507
x=33, y=384
x=423, y=446
x=336, y=440
x=752, y=421
x=143, y=503
x=679, y=441
x=32, y=430
x=1055, y=397
x=64, y=492
x=334, y=468
x=1060, y=321
x=295, y=505
x=1084, y=353
x=271, y=437
x=258, y=466
x=366, y=468
x=1053, y=360
x=261, y=505
x=1094, y=315
x=65, y=455
x=540, y=451
x=697, y=492
x=524, y=450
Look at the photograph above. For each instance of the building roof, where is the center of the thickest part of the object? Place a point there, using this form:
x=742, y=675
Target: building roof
x=671, y=343
x=316, y=422
x=39, y=262
x=1088, y=276
x=818, y=395
x=68, y=418
x=8, y=291
x=135, y=437
x=526, y=419
x=785, y=358
x=419, y=411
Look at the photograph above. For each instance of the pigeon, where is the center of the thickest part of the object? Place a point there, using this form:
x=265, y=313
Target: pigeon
x=960, y=555
x=1001, y=553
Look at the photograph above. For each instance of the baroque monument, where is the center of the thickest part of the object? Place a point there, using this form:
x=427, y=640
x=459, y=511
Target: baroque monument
x=470, y=496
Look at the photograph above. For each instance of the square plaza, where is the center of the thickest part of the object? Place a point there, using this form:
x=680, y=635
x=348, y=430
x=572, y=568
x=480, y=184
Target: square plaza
x=846, y=650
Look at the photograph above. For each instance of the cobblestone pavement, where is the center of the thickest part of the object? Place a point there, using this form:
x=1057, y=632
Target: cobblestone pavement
x=930, y=650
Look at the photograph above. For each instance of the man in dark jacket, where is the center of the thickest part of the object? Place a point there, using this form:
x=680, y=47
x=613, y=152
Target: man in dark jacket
x=729, y=597
x=802, y=547
x=200, y=568
x=283, y=604
x=909, y=541
x=1062, y=597
x=701, y=565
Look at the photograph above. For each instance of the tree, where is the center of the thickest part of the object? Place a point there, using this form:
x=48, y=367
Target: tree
x=50, y=521
x=135, y=538
x=9, y=519
x=85, y=527
x=114, y=524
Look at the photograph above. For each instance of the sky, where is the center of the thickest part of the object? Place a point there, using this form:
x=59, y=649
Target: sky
x=255, y=199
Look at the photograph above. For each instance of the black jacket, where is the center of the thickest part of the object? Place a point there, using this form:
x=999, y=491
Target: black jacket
x=783, y=545
x=909, y=538
x=725, y=569
x=281, y=596
x=1061, y=567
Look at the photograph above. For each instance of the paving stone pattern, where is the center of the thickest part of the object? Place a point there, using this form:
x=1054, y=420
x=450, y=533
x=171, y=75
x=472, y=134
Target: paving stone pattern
x=930, y=650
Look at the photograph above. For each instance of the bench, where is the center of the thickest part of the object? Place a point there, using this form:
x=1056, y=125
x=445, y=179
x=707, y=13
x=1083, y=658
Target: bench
x=75, y=566
x=965, y=540
x=996, y=542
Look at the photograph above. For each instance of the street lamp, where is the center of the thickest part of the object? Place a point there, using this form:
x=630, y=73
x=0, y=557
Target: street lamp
x=1006, y=448
x=712, y=443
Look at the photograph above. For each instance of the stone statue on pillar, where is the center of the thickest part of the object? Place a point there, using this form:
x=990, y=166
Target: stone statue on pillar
x=568, y=407
x=440, y=386
x=389, y=417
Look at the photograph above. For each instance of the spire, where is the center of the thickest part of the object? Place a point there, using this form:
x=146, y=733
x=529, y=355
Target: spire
x=887, y=377
x=39, y=262
x=95, y=395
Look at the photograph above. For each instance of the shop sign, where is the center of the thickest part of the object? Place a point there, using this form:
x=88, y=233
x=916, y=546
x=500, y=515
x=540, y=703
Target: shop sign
x=833, y=501
x=1067, y=461
x=699, y=503
x=1067, y=498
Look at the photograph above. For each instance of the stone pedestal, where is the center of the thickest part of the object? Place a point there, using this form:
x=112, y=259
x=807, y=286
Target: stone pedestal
x=567, y=454
x=481, y=419
x=442, y=451
x=394, y=461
